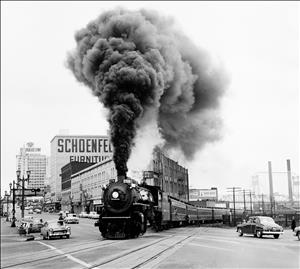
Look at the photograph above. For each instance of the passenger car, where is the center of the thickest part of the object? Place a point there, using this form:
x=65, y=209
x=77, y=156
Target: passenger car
x=297, y=232
x=83, y=214
x=38, y=211
x=71, y=218
x=30, y=211
x=259, y=226
x=93, y=215
x=55, y=229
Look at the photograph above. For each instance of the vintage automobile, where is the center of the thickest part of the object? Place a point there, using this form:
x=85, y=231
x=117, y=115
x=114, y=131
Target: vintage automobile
x=27, y=226
x=71, y=218
x=93, y=215
x=55, y=229
x=259, y=226
x=297, y=232
x=83, y=214
x=38, y=211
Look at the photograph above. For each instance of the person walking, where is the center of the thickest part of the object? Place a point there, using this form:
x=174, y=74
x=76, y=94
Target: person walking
x=293, y=226
x=61, y=219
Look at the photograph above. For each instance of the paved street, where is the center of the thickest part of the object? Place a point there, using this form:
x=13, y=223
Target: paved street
x=188, y=247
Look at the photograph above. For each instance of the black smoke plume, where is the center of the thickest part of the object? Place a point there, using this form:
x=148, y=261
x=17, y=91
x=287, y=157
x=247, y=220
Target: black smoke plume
x=136, y=62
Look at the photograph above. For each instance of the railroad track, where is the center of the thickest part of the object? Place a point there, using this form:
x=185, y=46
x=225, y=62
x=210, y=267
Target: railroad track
x=147, y=253
x=144, y=255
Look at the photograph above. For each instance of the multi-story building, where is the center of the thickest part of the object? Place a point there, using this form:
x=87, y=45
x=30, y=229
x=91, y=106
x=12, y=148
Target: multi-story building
x=30, y=158
x=168, y=175
x=66, y=172
x=80, y=148
x=87, y=184
x=84, y=191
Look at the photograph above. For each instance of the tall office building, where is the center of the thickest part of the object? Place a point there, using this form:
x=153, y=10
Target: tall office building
x=30, y=158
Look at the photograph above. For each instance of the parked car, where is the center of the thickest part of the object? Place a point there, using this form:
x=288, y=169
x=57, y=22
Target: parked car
x=30, y=211
x=83, y=214
x=297, y=232
x=93, y=215
x=55, y=229
x=71, y=218
x=38, y=211
x=30, y=226
x=259, y=226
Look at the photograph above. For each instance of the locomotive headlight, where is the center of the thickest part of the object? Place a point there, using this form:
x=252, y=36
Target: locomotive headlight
x=115, y=195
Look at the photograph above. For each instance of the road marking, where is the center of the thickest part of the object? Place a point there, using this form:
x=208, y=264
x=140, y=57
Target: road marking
x=219, y=240
x=206, y=246
x=68, y=255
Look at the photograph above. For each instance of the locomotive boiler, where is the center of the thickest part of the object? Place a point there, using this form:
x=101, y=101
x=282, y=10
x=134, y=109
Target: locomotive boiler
x=126, y=210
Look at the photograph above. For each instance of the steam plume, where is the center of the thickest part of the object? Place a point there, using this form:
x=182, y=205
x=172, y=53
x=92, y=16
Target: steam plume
x=137, y=64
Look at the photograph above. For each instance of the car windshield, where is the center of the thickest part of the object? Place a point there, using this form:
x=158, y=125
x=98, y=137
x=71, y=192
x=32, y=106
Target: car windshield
x=266, y=220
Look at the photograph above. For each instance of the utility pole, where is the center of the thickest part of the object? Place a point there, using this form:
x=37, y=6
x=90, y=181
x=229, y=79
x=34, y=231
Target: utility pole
x=250, y=202
x=233, y=189
x=244, y=201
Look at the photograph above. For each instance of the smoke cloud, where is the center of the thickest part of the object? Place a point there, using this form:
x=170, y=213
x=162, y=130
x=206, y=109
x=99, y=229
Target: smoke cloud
x=145, y=72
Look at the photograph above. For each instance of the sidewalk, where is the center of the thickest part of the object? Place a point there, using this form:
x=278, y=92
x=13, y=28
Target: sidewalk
x=6, y=229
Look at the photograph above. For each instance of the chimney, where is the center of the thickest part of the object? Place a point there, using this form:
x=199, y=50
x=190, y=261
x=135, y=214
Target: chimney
x=271, y=185
x=289, y=174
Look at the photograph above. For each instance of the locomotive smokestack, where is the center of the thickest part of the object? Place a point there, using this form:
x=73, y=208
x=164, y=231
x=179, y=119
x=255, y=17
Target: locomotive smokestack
x=138, y=64
x=121, y=178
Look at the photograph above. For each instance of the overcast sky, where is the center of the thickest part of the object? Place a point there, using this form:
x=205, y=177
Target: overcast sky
x=258, y=44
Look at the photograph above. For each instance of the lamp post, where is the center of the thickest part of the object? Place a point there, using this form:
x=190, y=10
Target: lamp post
x=7, y=196
x=12, y=188
x=23, y=186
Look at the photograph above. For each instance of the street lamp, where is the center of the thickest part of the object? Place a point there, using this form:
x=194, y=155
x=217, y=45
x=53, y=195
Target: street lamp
x=13, y=189
x=23, y=186
x=7, y=197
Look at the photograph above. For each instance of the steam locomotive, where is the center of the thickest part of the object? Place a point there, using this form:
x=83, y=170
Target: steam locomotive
x=128, y=208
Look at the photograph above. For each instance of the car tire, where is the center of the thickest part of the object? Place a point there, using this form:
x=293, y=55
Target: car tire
x=276, y=236
x=240, y=232
x=68, y=236
x=298, y=235
x=258, y=233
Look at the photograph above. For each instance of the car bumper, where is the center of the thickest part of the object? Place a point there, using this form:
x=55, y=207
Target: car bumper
x=271, y=232
x=59, y=234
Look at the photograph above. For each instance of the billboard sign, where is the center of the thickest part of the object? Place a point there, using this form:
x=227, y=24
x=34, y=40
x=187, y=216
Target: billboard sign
x=202, y=194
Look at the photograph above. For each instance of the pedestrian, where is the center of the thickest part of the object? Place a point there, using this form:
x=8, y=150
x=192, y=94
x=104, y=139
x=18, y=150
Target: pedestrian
x=293, y=226
x=61, y=219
